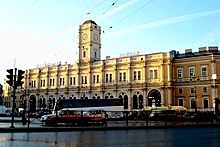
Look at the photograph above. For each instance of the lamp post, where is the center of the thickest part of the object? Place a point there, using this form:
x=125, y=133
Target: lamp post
x=195, y=100
x=24, y=104
x=195, y=79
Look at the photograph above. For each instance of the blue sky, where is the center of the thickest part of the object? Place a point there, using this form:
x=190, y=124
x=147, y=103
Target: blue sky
x=34, y=32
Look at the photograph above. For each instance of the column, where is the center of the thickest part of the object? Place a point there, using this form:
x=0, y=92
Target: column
x=129, y=100
x=162, y=97
x=145, y=98
x=161, y=70
x=168, y=72
x=214, y=89
x=169, y=96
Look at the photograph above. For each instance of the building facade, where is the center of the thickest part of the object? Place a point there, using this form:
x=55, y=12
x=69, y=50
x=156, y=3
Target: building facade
x=196, y=77
x=158, y=79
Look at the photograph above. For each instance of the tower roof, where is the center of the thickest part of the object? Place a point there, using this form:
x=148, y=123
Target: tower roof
x=89, y=21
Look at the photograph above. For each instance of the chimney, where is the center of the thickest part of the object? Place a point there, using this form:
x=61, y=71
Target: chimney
x=213, y=49
x=202, y=49
x=188, y=51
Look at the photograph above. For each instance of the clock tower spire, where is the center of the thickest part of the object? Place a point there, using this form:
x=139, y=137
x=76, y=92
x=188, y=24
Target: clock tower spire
x=89, y=42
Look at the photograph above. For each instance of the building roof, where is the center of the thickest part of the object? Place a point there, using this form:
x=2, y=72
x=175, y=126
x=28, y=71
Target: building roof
x=202, y=52
x=89, y=21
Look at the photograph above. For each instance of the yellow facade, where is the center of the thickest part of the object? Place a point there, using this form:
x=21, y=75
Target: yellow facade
x=196, y=77
x=141, y=80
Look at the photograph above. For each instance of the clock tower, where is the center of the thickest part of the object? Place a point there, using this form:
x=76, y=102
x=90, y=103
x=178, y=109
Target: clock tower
x=89, y=42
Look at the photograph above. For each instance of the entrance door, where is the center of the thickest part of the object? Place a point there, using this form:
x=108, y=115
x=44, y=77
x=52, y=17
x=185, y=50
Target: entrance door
x=32, y=103
x=154, y=98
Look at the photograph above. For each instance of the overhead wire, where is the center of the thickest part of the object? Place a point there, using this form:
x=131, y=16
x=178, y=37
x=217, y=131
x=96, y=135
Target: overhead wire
x=26, y=12
x=133, y=12
x=110, y=7
x=89, y=12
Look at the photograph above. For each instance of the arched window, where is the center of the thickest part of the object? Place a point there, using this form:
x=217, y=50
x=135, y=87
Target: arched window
x=135, y=102
x=180, y=102
x=84, y=54
x=193, y=103
x=205, y=103
x=140, y=101
x=125, y=102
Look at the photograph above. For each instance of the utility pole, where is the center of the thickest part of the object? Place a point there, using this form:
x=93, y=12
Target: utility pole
x=13, y=101
x=14, y=83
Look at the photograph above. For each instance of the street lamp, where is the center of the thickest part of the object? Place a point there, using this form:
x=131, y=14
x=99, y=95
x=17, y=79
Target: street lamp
x=24, y=104
x=195, y=79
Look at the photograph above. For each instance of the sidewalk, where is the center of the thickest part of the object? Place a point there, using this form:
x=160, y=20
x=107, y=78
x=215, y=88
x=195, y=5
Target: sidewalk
x=116, y=125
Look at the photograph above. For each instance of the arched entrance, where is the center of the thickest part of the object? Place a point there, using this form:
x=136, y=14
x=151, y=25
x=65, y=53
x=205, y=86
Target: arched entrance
x=32, y=103
x=137, y=100
x=124, y=96
x=154, y=98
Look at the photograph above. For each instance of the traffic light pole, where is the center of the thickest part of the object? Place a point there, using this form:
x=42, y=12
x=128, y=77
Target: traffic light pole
x=14, y=83
x=13, y=101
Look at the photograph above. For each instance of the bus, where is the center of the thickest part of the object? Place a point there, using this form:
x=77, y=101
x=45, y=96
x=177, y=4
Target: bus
x=89, y=110
x=168, y=113
x=114, y=104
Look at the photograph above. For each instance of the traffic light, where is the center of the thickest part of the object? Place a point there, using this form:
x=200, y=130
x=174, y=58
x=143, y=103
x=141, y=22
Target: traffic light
x=10, y=77
x=20, y=78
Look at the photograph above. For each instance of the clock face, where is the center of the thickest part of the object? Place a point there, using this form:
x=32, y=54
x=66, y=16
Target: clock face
x=95, y=37
x=84, y=36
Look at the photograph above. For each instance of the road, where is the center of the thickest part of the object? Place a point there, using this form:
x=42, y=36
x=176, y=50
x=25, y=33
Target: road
x=5, y=122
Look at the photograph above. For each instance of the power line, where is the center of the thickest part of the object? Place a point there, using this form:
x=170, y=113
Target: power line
x=133, y=12
x=88, y=12
x=110, y=7
x=27, y=11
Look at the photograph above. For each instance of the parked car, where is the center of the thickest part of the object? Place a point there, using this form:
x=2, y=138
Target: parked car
x=41, y=112
x=74, y=117
x=162, y=115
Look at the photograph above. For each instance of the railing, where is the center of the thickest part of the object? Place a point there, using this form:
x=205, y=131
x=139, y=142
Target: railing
x=142, y=118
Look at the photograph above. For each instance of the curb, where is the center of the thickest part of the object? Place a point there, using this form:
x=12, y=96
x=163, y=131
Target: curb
x=69, y=129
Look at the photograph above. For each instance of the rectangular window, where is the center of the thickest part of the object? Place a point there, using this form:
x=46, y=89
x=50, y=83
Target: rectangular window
x=82, y=80
x=71, y=81
x=44, y=83
x=120, y=76
x=110, y=77
x=155, y=74
x=74, y=80
x=193, y=90
x=135, y=75
x=93, y=78
x=53, y=82
x=205, y=89
x=106, y=77
x=124, y=76
x=151, y=74
x=60, y=81
x=85, y=79
x=139, y=75
x=97, y=78
x=192, y=72
x=180, y=72
x=204, y=71
x=63, y=81
x=84, y=54
x=50, y=82
x=180, y=90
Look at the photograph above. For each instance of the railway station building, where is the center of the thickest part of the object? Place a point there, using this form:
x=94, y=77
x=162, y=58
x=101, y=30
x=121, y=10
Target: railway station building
x=142, y=80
